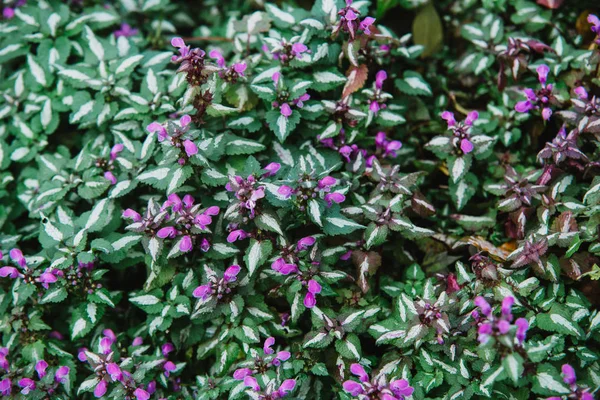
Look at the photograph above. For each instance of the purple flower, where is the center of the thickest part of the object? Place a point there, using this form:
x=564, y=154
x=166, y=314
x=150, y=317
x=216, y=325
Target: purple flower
x=180, y=44
x=167, y=348
x=401, y=387
x=216, y=54
x=101, y=389
x=190, y=148
x=484, y=331
x=483, y=305
x=522, y=327
x=326, y=183
x=251, y=383
x=169, y=367
x=5, y=387
x=359, y=371
x=305, y=243
x=546, y=113
x=542, y=72
x=272, y=169
x=282, y=267
x=299, y=102
x=61, y=374
x=202, y=292
x=137, y=341
x=595, y=21
x=114, y=371
x=365, y=25
x=241, y=373
x=27, y=384
x=231, y=273
x=17, y=256
x=116, y=149
x=287, y=386
x=581, y=92
x=133, y=215
x=159, y=129
x=275, y=77
x=238, y=234
x=40, y=368
x=353, y=388
x=285, y=191
x=524, y=106
x=8, y=13
x=285, y=110
x=334, y=197
x=380, y=77
x=240, y=68
x=569, y=374
x=10, y=272
x=186, y=244
x=471, y=118
x=298, y=49
x=125, y=31
x=168, y=231
x=507, y=304
x=110, y=177
x=503, y=326
x=141, y=394
x=449, y=118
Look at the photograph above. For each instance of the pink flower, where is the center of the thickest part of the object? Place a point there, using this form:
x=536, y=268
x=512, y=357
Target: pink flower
x=285, y=110
x=61, y=374
x=101, y=389
x=190, y=148
x=353, y=388
x=186, y=244
x=359, y=371
x=160, y=130
x=40, y=368
x=466, y=146
x=298, y=49
x=180, y=44
x=287, y=386
x=310, y=300
x=507, y=304
x=110, y=177
x=241, y=373
x=380, y=77
x=275, y=77
x=542, y=72
x=240, y=68
x=17, y=256
x=282, y=267
x=592, y=19
x=285, y=191
x=216, y=54
x=471, y=118
x=546, y=113
x=569, y=374
x=137, y=341
x=326, y=183
x=581, y=92
x=400, y=387
x=365, y=25
x=133, y=215
x=305, y=243
x=167, y=348
x=202, y=292
x=125, y=31
x=483, y=305
x=166, y=232
x=269, y=342
x=27, y=384
x=238, y=234
x=116, y=149
x=523, y=106
x=169, y=367
x=449, y=118
x=334, y=197
x=114, y=371
x=231, y=273
x=141, y=394
x=522, y=327
x=272, y=169
x=251, y=383
x=5, y=385
x=10, y=272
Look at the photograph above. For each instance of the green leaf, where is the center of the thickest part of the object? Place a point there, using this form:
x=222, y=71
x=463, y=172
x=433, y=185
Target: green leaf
x=427, y=29
x=257, y=254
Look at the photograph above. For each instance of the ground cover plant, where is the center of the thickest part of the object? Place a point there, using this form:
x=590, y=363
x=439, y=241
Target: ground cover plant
x=396, y=199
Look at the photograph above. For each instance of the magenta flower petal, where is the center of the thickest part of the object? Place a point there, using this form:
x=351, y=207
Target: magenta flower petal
x=190, y=148
x=251, y=383
x=285, y=110
x=141, y=394
x=353, y=388
x=483, y=305
x=186, y=244
x=132, y=214
x=546, y=113
x=542, y=72
x=231, y=273
x=380, y=77
x=110, y=177
x=305, y=243
x=270, y=341
x=310, y=300
x=101, y=389
x=569, y=374
x=523, y=106
x=241, y=373
x=10, y=272
x=61, y=374
x=285, y=191
x=449, y=118
x=359, y=371
x=202, y=292
x=27, y=384
x=581, y=92
x=167, y=232
x=314, y=287
x=287, y=386
x=40, y=368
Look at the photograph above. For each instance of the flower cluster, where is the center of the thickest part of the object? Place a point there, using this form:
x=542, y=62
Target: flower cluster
x=376, y=388
x=490, y=326
x=542, y=98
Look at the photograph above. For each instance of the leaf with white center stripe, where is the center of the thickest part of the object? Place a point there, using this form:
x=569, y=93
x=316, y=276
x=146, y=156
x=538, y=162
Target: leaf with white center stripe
x=413, y=84
x=36, y=70
x=257, y=254
x=281, y=18
x=94, y=44
x=513, y=365
x=459, y=166
x=328, y=79
x=126, y=66
x=339, y=225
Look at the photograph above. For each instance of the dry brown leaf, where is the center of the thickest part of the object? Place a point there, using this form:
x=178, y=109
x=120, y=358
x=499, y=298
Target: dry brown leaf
x=357, y=76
